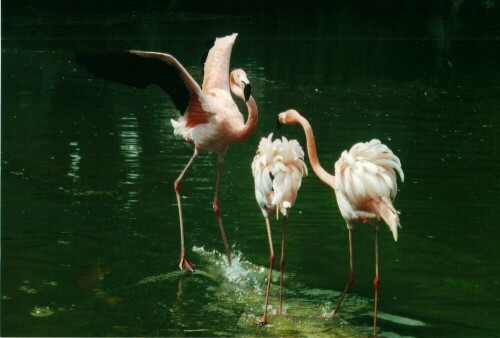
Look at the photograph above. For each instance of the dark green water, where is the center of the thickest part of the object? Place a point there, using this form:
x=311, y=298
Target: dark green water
x=90, y=238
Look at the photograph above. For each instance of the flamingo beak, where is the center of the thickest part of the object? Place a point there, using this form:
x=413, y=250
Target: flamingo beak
x=247, y=91
x=281, y=120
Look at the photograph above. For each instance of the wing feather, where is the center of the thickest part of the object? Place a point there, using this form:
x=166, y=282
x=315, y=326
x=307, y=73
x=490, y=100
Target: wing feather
x=368, y=172
x=141, y=69
x=216, y=69
x=283, y=159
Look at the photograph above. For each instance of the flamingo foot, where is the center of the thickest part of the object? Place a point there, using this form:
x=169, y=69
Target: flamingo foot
x=263, y=321
x=185, y=265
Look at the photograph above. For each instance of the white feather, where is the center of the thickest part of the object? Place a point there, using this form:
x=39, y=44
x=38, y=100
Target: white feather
x=366, y=176
x=278, y=168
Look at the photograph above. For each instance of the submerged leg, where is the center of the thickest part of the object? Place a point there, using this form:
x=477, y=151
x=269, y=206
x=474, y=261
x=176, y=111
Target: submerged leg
x=217, y=209
x=263, y=320
x=350, y=281
x=282, y=263
x=375, y=284
x=183, y=263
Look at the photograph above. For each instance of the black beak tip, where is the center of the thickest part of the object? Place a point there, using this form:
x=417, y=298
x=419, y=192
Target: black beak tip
x=247, y=91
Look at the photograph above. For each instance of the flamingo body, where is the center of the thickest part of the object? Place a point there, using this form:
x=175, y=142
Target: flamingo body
x=277, y=169
x=366, y=184
x=209, y=118
x=213, y=122
x=365, y=187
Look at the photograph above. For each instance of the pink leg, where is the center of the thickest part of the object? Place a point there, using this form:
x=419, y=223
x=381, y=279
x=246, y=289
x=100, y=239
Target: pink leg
x=183, y=263
x=263, y=320
x=282, y=263
x=217, y=209
x=375, y=284
x=350, y=281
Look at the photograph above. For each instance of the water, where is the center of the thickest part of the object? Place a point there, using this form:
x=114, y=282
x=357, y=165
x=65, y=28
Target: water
x=90, y=239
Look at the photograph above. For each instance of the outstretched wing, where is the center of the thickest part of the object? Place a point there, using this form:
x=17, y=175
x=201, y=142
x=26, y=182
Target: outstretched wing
x=141, y=69
x=216, y=69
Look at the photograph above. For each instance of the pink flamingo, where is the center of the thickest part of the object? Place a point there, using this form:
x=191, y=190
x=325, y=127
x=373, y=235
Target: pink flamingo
x=209, y=118
x=277, y=169
x=365, y=186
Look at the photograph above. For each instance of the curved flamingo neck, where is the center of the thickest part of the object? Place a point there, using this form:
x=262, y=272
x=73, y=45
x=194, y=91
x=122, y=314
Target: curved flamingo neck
x=235, y=89
x=251, y=124
x=323, y=175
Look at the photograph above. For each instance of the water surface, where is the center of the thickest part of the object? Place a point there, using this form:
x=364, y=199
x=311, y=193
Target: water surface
x=90, y=238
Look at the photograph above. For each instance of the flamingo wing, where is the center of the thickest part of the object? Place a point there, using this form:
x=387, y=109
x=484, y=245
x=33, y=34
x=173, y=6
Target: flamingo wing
x=366, y=182
x=288, y=170
x=216, y=69
x=368, y=171
x=141, y=69
x=261, y=170
x=278, y=169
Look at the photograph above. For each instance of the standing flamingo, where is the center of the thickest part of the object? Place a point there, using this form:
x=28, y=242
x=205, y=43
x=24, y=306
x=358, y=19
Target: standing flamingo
x=209, y=118
x=365, y=186
x=277, y=169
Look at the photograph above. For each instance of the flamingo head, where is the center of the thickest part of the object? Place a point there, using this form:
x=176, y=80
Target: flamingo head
x=290, y=117
x=240, y=85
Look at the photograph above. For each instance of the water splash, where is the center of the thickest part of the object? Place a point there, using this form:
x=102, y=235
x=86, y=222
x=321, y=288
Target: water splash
x=244, y=275
x=239, y=289
x=242, y=284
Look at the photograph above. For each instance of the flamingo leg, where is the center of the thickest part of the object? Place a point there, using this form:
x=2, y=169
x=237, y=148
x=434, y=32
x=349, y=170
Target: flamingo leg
x=263, y=320
x=375, y=284
x=350, y=281
x=282, y=263
x=217, y=209
x=183, y=263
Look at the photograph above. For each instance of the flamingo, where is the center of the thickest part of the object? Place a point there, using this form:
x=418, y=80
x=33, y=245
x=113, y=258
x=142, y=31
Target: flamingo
x=209, y=118
x=277, y=169
x=365, y=187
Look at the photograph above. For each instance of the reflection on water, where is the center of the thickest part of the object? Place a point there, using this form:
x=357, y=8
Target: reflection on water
x=240, y=287
x=130, y=149
x=90, y=231
x=75, y=161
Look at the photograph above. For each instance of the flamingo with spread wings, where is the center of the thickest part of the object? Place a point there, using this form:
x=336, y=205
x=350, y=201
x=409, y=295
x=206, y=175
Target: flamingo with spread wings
x=277, y=169
x=209, y=118
x=365, y=187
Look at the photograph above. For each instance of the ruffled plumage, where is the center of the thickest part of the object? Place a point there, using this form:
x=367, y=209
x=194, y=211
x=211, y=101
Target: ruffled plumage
x=278, y=169
x=366, y=180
